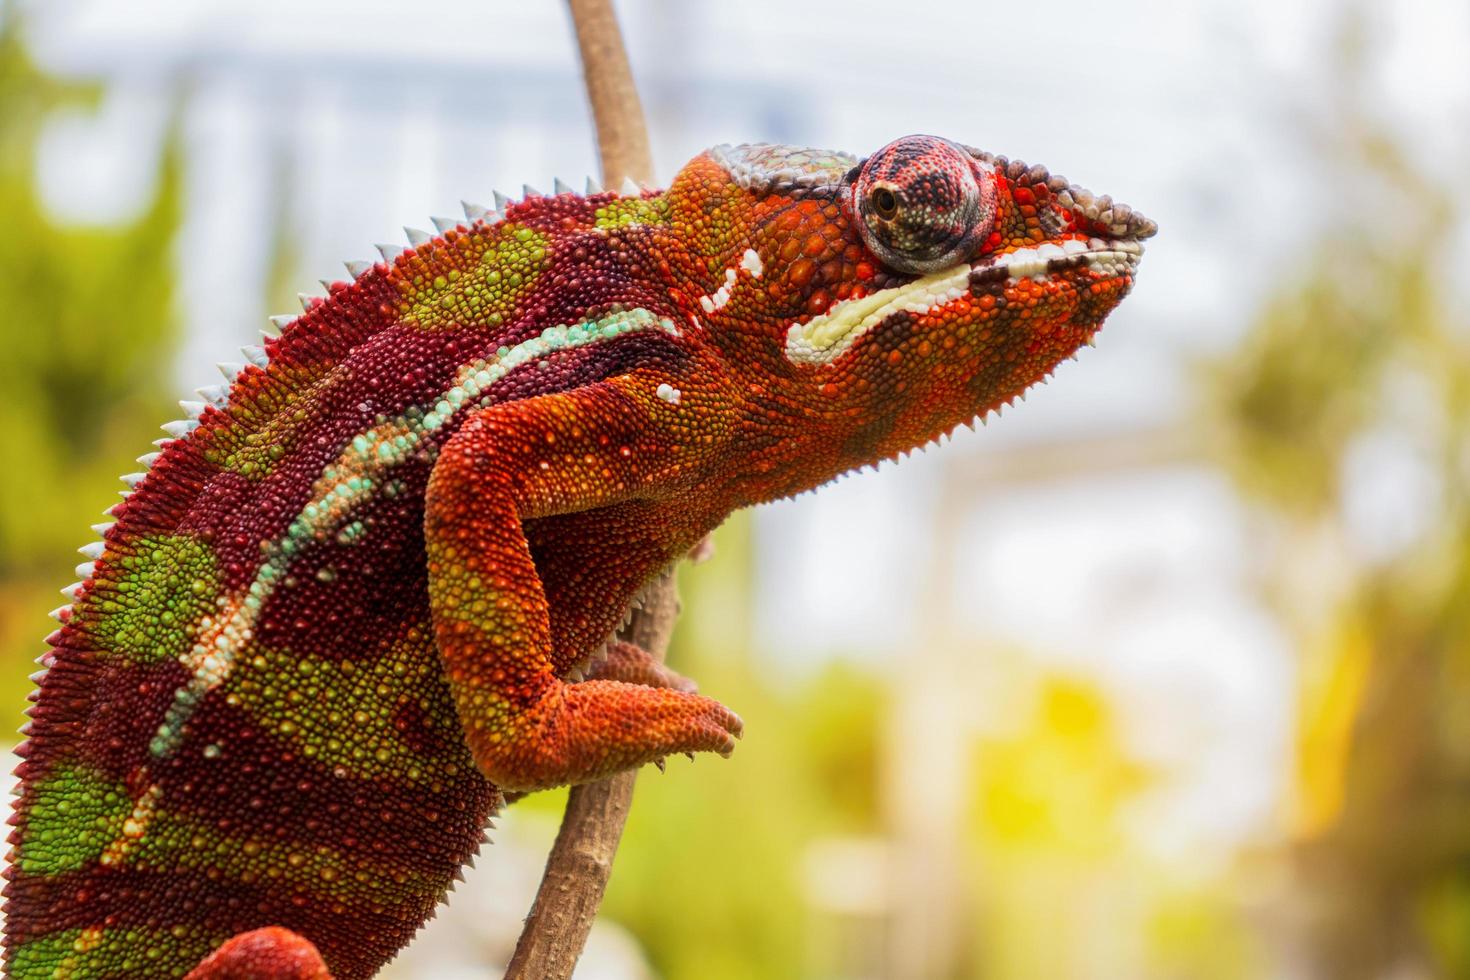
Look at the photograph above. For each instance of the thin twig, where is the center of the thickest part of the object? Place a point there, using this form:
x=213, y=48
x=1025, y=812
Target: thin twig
x=580, y=862
x=622, y=135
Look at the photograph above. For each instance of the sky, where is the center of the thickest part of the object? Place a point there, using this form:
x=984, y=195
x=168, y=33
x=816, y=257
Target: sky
x=376, y=114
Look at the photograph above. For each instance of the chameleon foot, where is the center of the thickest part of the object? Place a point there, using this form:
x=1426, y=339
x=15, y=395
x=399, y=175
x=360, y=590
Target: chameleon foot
x=632, y=664
x=577, y=733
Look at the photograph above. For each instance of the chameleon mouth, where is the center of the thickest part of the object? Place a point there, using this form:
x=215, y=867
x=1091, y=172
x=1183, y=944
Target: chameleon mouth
x=824, y=338
x=1109, y=258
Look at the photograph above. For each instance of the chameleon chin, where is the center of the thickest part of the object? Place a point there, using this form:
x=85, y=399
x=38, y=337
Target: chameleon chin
x=366, y=584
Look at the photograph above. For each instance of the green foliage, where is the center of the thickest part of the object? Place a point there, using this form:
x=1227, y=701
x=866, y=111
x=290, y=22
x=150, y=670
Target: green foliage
x=88, y=330
x=1296, y=390
x=709, y=875
x=1364, y=345
x=1058, y=786
x=1197, y=933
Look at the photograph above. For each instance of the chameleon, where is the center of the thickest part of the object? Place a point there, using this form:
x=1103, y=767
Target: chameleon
x=363, y=591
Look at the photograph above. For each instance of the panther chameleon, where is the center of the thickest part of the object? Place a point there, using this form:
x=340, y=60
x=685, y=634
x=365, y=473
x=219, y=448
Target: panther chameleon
x=367, y=585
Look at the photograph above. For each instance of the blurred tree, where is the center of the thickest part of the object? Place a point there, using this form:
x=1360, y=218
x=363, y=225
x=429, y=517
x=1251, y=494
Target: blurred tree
x=1060, y=784
x=1059, y=876
x=1346, y=416
x=88, y=332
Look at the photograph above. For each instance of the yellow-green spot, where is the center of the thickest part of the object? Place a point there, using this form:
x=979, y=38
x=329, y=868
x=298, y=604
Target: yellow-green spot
x=330, y=690
x=631, y=211
x=488, y=291
x=77, y=813
x=165, y=584
x=94, y=953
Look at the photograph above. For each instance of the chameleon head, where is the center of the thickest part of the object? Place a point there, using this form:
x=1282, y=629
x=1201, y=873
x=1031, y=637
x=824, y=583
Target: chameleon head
x=926, y=285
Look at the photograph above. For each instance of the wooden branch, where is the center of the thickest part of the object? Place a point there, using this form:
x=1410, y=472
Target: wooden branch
x=580, y=862
x=622, y=135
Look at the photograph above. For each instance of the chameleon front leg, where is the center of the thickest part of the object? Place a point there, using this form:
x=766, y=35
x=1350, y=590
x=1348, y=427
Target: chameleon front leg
x=555, y=454
x=592, y=566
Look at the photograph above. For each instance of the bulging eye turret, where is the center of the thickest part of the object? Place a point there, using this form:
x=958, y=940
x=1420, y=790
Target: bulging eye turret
x=921, y=204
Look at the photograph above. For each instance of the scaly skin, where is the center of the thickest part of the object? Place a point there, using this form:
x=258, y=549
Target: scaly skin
x=353, y=603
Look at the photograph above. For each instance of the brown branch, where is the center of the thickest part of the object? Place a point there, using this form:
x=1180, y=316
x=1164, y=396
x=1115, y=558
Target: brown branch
x=581, y=859
x=580, y=862
x=622, y=135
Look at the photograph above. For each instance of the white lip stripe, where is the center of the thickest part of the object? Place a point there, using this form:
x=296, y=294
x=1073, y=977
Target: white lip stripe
x=824, y=338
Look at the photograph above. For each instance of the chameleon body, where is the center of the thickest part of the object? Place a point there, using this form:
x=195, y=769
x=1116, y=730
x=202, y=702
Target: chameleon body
x=367, y=585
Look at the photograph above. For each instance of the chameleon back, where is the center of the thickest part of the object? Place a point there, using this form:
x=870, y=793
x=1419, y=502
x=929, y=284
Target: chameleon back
x=274, y=697
x=243, y=721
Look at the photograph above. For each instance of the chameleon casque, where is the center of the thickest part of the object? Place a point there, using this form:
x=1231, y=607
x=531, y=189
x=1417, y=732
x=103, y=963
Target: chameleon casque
x=367, y=585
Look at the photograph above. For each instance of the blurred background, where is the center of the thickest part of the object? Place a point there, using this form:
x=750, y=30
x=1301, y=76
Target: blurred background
x=1164, y=674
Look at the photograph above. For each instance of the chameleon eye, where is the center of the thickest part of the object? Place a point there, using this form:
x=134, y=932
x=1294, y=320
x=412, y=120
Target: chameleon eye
x=921, y=205
x=885, y=204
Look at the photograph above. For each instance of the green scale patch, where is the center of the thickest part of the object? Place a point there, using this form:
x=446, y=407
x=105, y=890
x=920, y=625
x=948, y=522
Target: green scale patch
x=76, y=814
x=95, y=953
x=470, y=280
x=155, y=592
x=631, y=211
x=302, y=872
x=264, y=421
x=348, y=717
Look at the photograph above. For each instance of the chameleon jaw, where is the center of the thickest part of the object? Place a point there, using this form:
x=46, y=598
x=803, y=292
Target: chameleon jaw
x=824, y=338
